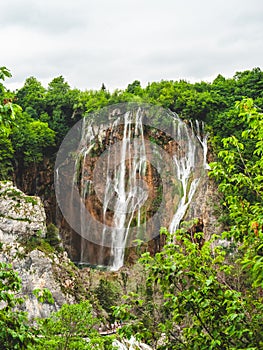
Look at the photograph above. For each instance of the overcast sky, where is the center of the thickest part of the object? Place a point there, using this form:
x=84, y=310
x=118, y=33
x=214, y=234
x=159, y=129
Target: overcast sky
x=114, y=42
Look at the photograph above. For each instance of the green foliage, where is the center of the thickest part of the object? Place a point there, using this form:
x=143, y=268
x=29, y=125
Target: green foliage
x=8, y=110
x=4, y=73
x=108, y=294
x=72, y=327
x=252, y=259
x=135, y=88
x=192, y=302
x=20, y=134
x=43, y=295
x=15, y=331
x=31, y=97
x=31, y=138
x=6, y=156
x=59, y=106
x=239, y=172
x=52, y=236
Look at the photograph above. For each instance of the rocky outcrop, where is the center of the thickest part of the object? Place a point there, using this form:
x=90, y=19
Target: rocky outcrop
x=22, y=221
x=36, y=272
x=20, y=215
x=205, y=206
x=38, y=180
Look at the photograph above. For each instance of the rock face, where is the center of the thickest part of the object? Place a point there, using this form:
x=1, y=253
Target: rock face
x=22, y=219
x=38, y=180
x=205, y=206
x=20, y=215
x=36, y=272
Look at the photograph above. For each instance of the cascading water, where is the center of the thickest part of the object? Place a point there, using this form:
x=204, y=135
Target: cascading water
x=185, y=164
x=122, y=189
x=202, y=136
x=134, y=171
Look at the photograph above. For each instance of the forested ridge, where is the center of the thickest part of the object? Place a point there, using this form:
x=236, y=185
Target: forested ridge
x=192, y=296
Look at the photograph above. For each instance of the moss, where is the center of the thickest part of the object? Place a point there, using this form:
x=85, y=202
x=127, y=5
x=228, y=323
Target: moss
x=45, y=247
x=31, y=200
x=11, y=192
x=15, y=194
x=52, y=237
x=67, y=270
x=36, y=242
x=12, y=218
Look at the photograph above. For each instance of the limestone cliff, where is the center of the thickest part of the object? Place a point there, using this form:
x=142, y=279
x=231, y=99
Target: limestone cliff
x=22, y=224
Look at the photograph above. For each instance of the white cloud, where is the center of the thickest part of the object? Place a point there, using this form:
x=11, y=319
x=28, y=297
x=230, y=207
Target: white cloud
x=116, y=42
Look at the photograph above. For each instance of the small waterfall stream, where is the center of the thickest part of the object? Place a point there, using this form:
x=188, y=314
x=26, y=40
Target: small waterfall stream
x=185, y=165
x=134, y=171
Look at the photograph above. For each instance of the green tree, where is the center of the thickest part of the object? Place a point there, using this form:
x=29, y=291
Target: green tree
x=31, y=97
x=4, y=73
x=72, y=327
x=8, y=112
x=249, y=84
x=95, y=100
x=15, y=330
x=239, y=171
x=135, y=88
x=7, y=108
x=61, y=105
x=31, y=138
x=108, y=295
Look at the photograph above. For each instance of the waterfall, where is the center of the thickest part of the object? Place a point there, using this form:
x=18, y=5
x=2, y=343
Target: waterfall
x=186, y=164
x=121, y=188
x=202, y=136
x=129, y=171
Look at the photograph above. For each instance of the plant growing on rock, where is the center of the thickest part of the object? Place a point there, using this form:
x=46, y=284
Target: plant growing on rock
x=15, y=330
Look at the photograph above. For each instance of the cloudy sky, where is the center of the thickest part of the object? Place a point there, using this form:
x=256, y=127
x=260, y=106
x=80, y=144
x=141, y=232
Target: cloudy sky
x=118, y=41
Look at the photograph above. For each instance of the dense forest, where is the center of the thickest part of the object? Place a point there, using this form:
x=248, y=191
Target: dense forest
x=43, y=116
x=193, y=296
